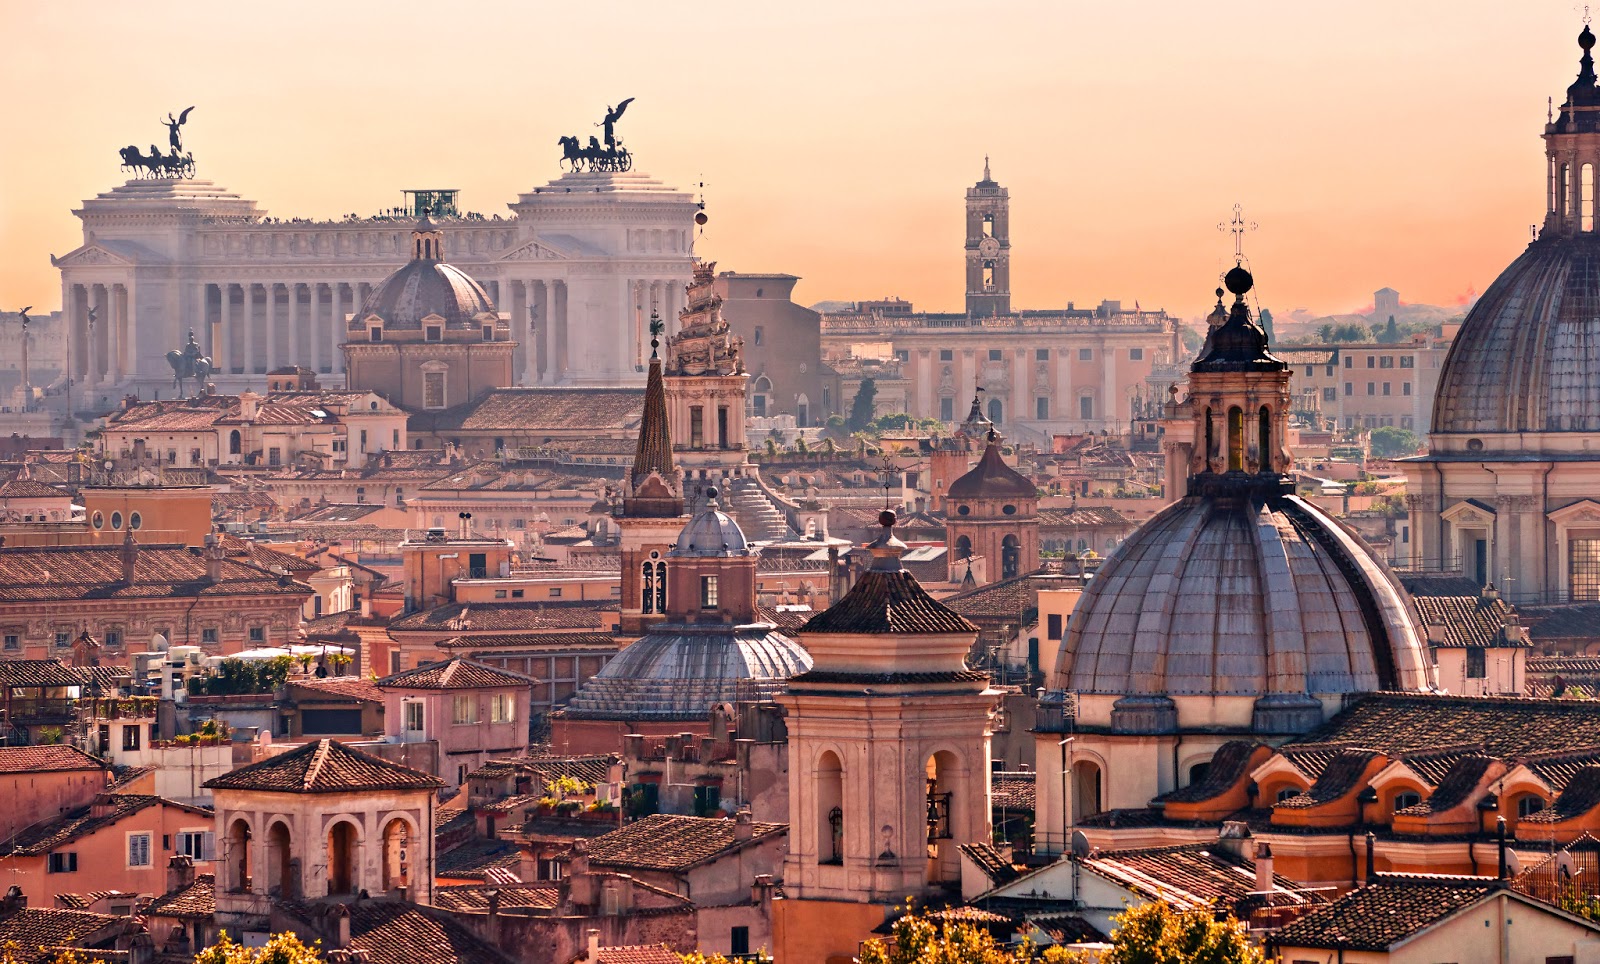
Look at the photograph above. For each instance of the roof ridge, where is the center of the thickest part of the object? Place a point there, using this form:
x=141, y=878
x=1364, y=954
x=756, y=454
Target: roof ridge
x=314, y=769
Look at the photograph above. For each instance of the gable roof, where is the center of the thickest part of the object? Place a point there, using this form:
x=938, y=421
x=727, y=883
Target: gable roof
x=888, y=601
x=34, y=928
x=673, y=843
x=51, y=573
x=326, y=766
x=456, y=673
x=39, y=672
x=391, y=932
x=107, y=810
x=46, y=759
x=198, y=900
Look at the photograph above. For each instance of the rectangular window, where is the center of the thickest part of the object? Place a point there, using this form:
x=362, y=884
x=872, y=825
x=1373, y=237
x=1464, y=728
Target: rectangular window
x=1086, y=406
x=1330, y=371
x=464, y=709
x=375, y=334
x=1387, y=361
x=208, y=635
x=1308, y=371
x=1477, y=665
x=113, y=638
x=1583, y=569
x=499, y=594
x=258, y=634
x=199, y=844
x=1405, y=388
x=1386, y=388
x=518, y=593
x=363, y=447
x=1086, y=354
x=63, y=637
x=433, y=389
x=722, y=426
x=1406, y=361
x=739, y=941
x=1405, y=421
x=1041, y=354
x=697, y=427
x=1372, y=361
x=947, y=409
x=994, y=354
x=1136, y=354
x=138, y=850
x=947, y=354
x=477, y=565
x=708, y=592
x=555, y=592
x=394, y=438
x=130, y=736
x=1349, y=389
x=1405, y=534
x=1330, y=394
x=1372, y=388
x=1041, y=407
x=274, y=456
x=488, y=333
x=1053, y=626
x=502, y=709
x=13, y=641
x=435, y=333
x=63, y=863
x=1349, y=362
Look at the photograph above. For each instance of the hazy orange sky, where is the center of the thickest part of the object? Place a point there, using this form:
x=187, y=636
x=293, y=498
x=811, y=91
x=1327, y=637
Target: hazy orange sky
x=1375, y=142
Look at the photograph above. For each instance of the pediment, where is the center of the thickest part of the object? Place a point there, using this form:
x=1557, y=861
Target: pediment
x=1469, y=512
x=535, y=251
x=93, y=255
x=1584, y=510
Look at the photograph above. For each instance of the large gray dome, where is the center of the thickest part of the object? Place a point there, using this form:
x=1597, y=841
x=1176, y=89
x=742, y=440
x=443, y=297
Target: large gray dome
x=1528, y=352
x=424, y=287
x=1235, y=594
x=681, y=672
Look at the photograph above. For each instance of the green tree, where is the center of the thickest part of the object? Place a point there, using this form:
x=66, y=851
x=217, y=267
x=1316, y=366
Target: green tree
x=283, y=948
x=1158, y=934
x=1266, y=325
x=1389, y=441
x=1325, y=334
x=861, y=409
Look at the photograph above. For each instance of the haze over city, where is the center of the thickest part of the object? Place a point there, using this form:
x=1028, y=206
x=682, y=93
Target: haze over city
x=1375, y=143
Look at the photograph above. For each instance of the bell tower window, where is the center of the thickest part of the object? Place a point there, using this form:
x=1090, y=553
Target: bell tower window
x=1265, y=441
x=1235, y=439
x=1586, y=198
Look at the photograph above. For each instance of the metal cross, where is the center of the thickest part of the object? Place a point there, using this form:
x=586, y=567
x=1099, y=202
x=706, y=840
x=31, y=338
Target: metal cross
x=1237, y=227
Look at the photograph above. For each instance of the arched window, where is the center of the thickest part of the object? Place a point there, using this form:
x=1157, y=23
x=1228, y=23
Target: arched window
x=1406, y=798
x=1235, y=439
x=1211, y=439
x=1085, y=790
x=1586, y=198
x=396, y=855
x=1010, y=557
x=1529, y=805
x=996, y=410
x=830, y=809
x=1288, y=793
x=1264, y=431
x=1566, y=190
x=945, y=812
x=653, y=587
x=238, y=857
x=342, y=858
x=963, y=547
x=280, y=866
x=235, y=443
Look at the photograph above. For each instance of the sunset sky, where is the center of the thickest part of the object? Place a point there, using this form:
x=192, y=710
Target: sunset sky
x=1375, y=143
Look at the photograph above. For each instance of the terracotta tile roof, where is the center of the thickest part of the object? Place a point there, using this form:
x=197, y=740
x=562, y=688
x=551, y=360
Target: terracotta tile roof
x=357, y=688
x=33, y=928
x=1339, y=777
x=263, y=556
x=1563, y=622
x=1506, y=727
x=1455, y=788
x=473, y=859
x=1005, y=599
x=1012, y=791
x=504, y=617
x=639, y=954
x=391, y=932
x=1433, y=765
x=888, y=601
x=525, y=411
x=1380, y=915
x=40, y=672
x=108, y=810
x=1228, y=765
x=586, y=769
x=1069, y=929
x=197, y=900
x=672, y=843
x=325, y=766
x=475, y=897
x=46, y=759
x=1578, y=797
x=29, y=489
x=1083, y=515
x=1565, y=665
x=46, y=573
x=456, y=673
x=1467, y=620
x=1559, y=767
x=994, y=866
x=1187, y=876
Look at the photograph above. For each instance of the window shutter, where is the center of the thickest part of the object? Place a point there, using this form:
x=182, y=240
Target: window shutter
x=208, y=846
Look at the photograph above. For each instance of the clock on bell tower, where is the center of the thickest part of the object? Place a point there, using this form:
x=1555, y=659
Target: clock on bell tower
x=988, y=247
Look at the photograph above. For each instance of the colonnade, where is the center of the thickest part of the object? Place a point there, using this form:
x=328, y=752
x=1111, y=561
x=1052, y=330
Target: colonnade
x=252, y=328
x=102, y=347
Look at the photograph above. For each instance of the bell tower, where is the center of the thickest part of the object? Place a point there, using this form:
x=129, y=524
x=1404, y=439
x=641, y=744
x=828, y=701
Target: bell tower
x=988, y=247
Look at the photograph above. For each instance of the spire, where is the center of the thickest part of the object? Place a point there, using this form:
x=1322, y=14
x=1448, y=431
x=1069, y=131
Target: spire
x=654, y=451
x=1586, y=62
x=986, y=176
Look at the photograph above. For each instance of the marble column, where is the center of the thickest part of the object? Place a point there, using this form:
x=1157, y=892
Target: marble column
x=1112, y=402
x=558, y=314
x=98, y=339
x=222, y=353
x=541, y=333
x=117, y=341
x=247, y=326
x=516, y=305
x=297, y=351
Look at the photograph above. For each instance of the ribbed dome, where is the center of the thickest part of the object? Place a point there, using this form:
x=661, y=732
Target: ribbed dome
x=1241, y=594
x=424, y=287
x=711, y=532
x=992, y=478
x=681, y=672
x=1525, y=358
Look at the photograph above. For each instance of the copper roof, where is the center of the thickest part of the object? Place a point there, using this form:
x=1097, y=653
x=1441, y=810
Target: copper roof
x=325, y=766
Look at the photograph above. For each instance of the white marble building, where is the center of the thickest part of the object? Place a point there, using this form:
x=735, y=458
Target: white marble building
x=577, y=266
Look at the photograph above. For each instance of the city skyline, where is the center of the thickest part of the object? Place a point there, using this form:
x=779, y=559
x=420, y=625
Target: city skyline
x=1327, y=127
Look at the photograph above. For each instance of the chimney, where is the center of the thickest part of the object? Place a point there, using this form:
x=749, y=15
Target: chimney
x=213, y=553
x=1500, y=835
x=1372, y=857
x=180, y=872
x=743, y=827
x=1490, y=593
x=761, y=894
x=581, y=885
x=249, y=405
x=493, y=924
x=340, y=925
x=130, y=556
x=1435, y=632
x=1263, y=867
x=592, y=955
x=14, y=901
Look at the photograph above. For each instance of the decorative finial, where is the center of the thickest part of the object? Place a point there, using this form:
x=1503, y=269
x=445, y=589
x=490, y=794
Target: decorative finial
x=986, y=167
x=1237, y=227
x=657, y=326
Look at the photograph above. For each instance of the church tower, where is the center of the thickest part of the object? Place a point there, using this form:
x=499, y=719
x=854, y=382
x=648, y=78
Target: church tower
x=705, y=389
x=652, y=508
x=888, y=759
x=988, y=247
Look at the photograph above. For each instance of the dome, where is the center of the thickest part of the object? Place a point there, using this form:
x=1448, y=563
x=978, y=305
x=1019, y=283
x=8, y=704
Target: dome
x=681, y=672
x=711, y=532
x=424, y=287
x=1524, y=358
x=992, y=478
x=1249, y=592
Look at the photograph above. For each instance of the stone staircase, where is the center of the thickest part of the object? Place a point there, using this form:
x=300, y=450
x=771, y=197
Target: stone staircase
x=753, y=510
